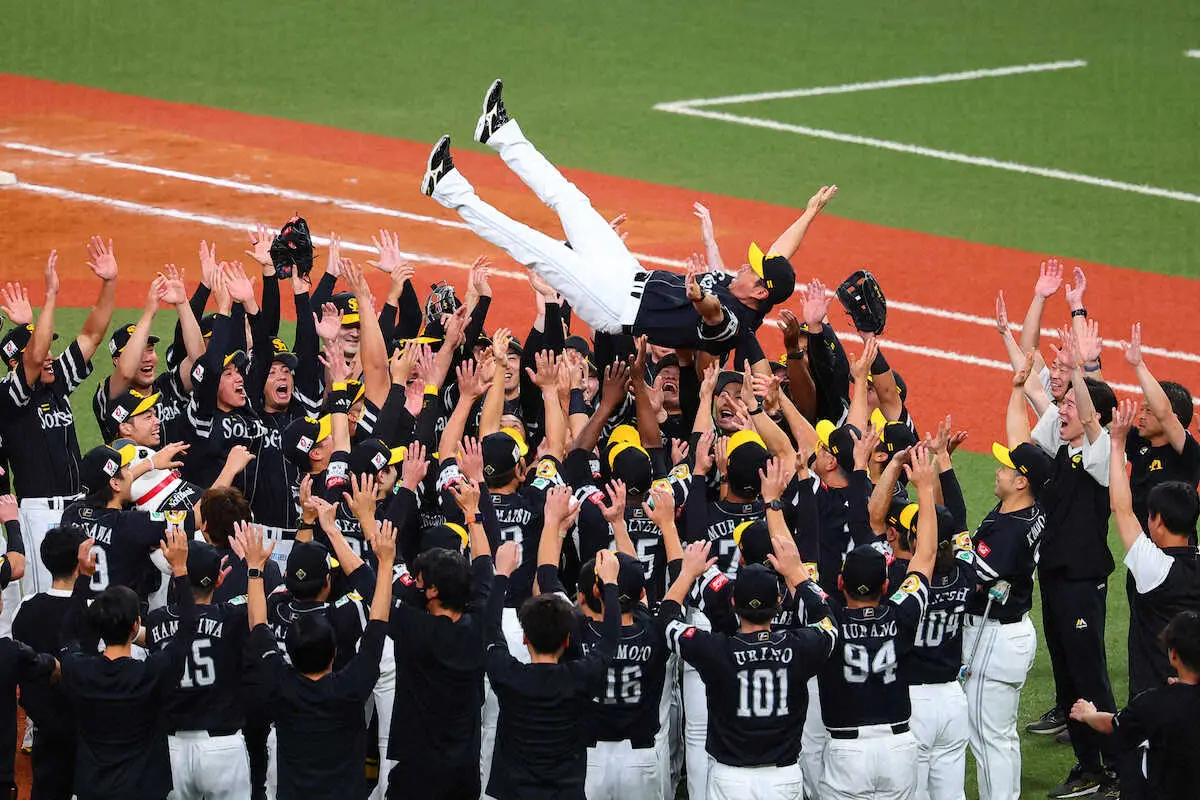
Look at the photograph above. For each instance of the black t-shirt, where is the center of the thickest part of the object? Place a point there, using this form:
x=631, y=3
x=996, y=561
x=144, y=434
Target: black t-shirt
x=18, y=664
x=39, y=433
x=541, y=747
x=124, y=541
x=208, y=696
x=1155, y=465
x=320, y=724
x=1006, y=548
x=39, y=624
x=756, y=684
x=347, y=614
x=1075, y=542
x=669, y=319
x=120, y=707
x=1164, y=582
x=861, y=683
x=937, y=651
x=1165, y=723
x=236, y=584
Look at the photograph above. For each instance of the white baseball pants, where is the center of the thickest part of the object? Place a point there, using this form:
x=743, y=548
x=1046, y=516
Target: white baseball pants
x=695, y=719
x=515, y=637
x=207, y=767
x=754, y=783
x=998, y=670
x=940, y=724
x=595, y=274
x=381, y=701
x=878, y=764
x=616, y=771
x=812, y=741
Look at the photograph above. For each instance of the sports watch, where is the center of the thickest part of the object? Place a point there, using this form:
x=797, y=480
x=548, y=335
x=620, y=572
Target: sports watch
x=253, y=572
x=775, y=505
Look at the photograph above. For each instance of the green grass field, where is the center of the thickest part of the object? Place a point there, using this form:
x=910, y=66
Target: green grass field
x=591, y=75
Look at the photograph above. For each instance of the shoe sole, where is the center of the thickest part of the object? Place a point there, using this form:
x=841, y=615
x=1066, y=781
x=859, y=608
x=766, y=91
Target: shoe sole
x=490, y=99
x=433, y=169
x=1080, y=793
x=1046, y=731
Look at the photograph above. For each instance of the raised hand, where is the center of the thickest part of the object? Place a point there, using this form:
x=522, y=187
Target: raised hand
x=1022, y=374
x=174, y=547
x=239, y=285
x=1087, y=341
x=361, y=497
x=470, y=459
x=861, y=367
x=86, y=558
x=14, y=302
x=696, y=560
x=1133, y=348
x=708, y=383
x=329, y=324
x=1124, y=418
x=383, y=543
x=679, y=451
x=1075, y=290
x=818, y=201
x=561, y=508
x=335, y=255
x=103, y=259
x=168, y=457
x=768, y=388
x=614, y=511
x=415, y=467
x=775, y=479
x=864, y=447
x=616, y=378
x=208, y=263
x=334, y=359
x=700, y=212
x=52, y=275
x=786, y=560
x=956, y=438
x=695, y=267
x=388, y=246
x=260, y=245
x=616, y=222
x=306, y=511
x=1001, y=315
x=466, y=497
x=704, y=453
x=470, y=384
x=541, y=287
x=1050, y=277
x=174, y=291
x=545, y=372
x=326, y=512
x=507, y=558
x=937, y=443
x=922, y=472
x=721, y=454
x=607, y=567
x=255, y=550
x=481, y=272
x=816, y=305
x=239, y=457
x=789, y=326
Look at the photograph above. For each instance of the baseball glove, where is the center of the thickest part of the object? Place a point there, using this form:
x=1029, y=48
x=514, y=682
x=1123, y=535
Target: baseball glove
x=863, y=300
x=293, y=248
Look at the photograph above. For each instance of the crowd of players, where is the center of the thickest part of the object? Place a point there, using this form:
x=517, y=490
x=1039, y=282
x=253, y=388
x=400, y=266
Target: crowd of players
x=606, y=567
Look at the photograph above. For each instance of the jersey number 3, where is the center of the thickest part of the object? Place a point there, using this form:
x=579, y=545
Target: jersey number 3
x=763, y=693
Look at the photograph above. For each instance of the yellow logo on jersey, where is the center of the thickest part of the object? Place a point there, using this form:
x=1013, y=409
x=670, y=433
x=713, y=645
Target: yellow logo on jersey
x=546, y=469
x=661, y=483
x=812, y=568
x=1155, y=465
x=911, y=584
x=681, y=472
x=826, y=624
x=963, y=541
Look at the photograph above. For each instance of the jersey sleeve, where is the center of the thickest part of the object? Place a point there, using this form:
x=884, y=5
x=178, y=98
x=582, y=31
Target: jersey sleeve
x=714, y=596
x=72, y=368
x=911, y=599
x=33, y=666
x=264, y=662
x=359, y=676
x=546, y=475
x=1045, y=432
x=1130, y=723
x=1096, y=455
x=1148, y=565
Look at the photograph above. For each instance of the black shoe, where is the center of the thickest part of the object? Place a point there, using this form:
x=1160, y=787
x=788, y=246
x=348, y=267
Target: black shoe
x=1063, y=736
x=1052, y=722
x=438, y=165
x=494, y=113
x=1077, y=784
x=1110, y=786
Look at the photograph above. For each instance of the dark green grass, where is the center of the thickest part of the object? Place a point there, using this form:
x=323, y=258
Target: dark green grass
x=584, y=78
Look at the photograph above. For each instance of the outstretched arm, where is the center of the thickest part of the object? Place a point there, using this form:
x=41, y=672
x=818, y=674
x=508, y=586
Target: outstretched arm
x=104, y=265
x=1120, y=497
x=1156, y=398
x=39, y=346
x=1049, y=279
x=712, y=253
x=789, y=241
x=131, y=357
x=1016, y=418
x=923, y=473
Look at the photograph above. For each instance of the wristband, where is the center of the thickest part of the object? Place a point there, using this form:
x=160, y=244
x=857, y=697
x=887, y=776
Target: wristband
x=757, y=410
x=476, y=520
x=880, y=364
x=796, y=355
x=253, y=573
x=431, y=389
x=1089, y=368
x=1079, y=312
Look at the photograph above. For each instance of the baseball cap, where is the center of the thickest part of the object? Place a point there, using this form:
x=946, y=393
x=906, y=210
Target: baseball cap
x=904, y=516
x=501, y=451
x=302, y=435
x=16, y=340
x=631, y=579
x=515, y=346
x=121, y=336
x=1029, y=460
x=129, y=404
x=206, y=324
x=840, y=441
x=449, y=536
x=347, y=304
x=776, y=271
x=863, y=571
x=747, y=455
x=579, y=345
x=630, y=463
x=102, y=463
x=307, y=566
x=756, y=587
x=901, y=514
x=725, y=378
x=281, y=353
x=896, y=436
x=624, y=433
x=238, y=358
x=754, y=541
x=372, y=455
x=203, y=565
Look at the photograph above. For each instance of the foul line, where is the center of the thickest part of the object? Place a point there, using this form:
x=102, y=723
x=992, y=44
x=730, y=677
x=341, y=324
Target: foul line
x=693, y=108
x=369, y=208
x=222, y=222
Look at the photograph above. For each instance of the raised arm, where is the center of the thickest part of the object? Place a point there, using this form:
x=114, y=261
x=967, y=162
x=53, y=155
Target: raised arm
x=923, y=474
x=1083, y=398
x=43, y=333
x=755, y=385
x=104, y=264
x=1080, y=324
x=612, y=394
x=1017, y=418
x=801, y=387
x=1120, y=497
x=372, y=350
x=560, y=514
x=884, y=491
x=545, y=377
x=382, y=539
x=257, y=553
x=493, y=404
x=1016, y=356
x=859, y=415
x=131, y=357
x=712, y=252
x=1049, y=280
x=789, y=241
x=1156, y=399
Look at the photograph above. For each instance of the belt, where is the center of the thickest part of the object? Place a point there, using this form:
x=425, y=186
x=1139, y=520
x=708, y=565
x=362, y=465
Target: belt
x=49, y=503
x=209, y=734
x=272, y=532
x=976, y=620
x=868, y=730
x=639, y=284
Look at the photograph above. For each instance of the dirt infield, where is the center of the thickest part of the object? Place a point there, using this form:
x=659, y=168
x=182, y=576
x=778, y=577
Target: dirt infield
x=158, y=177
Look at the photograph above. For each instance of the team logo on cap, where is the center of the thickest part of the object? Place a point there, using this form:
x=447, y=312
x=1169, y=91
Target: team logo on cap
x=379, y=461
x=10, y=349
x=301, y=574
x=352, y=303
x=305, y=444
x=110, y=467
x=120, y=413
x=206, y=581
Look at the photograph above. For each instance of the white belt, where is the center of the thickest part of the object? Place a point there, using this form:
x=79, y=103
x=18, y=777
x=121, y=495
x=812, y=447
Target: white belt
x=976, y=620
x=202, y=735
x=48, y=503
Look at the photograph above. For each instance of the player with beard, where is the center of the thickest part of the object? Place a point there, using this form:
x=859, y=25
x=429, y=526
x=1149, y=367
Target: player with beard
x=38, y=429
x=219, y=414
x=135, y=361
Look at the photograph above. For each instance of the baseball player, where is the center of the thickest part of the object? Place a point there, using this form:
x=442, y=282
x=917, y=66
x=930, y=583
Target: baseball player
x=1001, y=642
x=703, y=311
x=205, y=712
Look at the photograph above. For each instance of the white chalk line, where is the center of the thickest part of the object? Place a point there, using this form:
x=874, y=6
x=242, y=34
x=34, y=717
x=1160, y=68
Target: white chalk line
x=354, y=205
x=694, y=108
x=222, y=222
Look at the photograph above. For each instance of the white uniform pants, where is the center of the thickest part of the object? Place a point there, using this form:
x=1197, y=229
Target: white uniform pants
x=695, y=719
x=491, y=707
x=616, y=771
x=37, y=515
x=812, y=741
x=878, y=764
x=754, y=783
x=595, y=274
x=380, y=702
x=998, y=669
x=207, y=767
x=939, y=721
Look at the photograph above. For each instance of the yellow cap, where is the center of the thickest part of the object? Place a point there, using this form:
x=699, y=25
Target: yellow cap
x=624, y=433
x=516, y=436
x=621, y=447
x=878, y=420
x=1003, y=455
x=824, y=428
x=740, y=529
x=742, y=437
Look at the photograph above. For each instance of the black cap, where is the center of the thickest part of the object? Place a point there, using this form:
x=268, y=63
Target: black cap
x=629, y=462
x=450, y=536
x=370, y=456
x=1028, y=459
x=579, y=345
x=747, y=455
x=725, y=378
x=774, y=270
x=901, y=514
x=631, y=579
x=301, y=435
x=501, y=453
x=121, y=336
x=841, y=444
x=347, y=305
x=894, y=437
x=754, y=541
x=206, y=324
x=307, y=566
x=669, y=360
x=15, y=341
x=281, y=353
x=515, y=346
x=102, y=464
x=756, y=588
x=864, y=571
x=203, y=565
x=128, y=404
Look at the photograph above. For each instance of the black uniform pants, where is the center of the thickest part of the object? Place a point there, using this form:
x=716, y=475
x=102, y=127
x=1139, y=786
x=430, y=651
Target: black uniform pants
x=52, y=763
x=1073, y=617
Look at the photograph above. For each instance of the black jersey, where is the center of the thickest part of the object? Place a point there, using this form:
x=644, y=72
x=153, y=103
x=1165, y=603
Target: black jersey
x=631, y=707
x=669, y=319
x=1154, y=465
x=124, y=542
x=713, y=595
x=861, y=683
x=19, y=664
x=1075, y=542
x=271, y=482
x=39, y=432
x=845, y=523
x=347, y=614
x=208, y=697
x=1006, y=548
x=714, y=521
x=756, y=684
x=39, y=624
x=1164, y=723
x=937, y=653
x=119, y=707
x=172, y=407
x=319, y=724
x=1164, y=582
